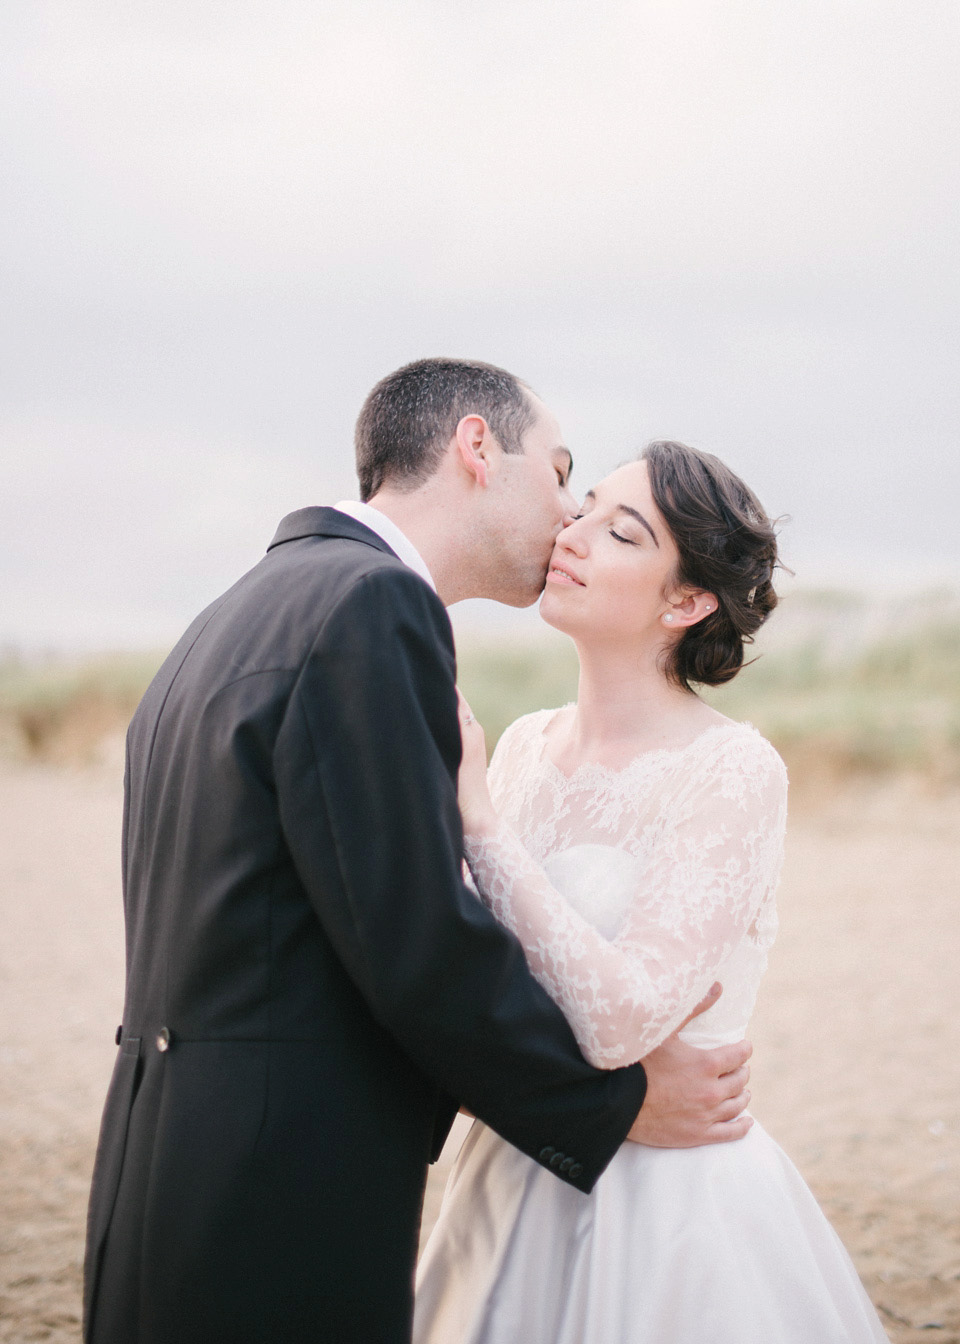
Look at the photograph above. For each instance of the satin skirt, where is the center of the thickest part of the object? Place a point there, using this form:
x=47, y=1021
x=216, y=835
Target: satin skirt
x=714, y=1245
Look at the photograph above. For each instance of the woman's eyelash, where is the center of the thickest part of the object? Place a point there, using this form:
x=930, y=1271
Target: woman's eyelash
x=626, y=540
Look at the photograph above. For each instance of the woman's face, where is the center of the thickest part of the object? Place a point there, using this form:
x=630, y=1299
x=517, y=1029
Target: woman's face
x=612, y=569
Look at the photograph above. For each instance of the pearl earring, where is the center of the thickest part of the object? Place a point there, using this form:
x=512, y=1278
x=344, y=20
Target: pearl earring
x=668, y=617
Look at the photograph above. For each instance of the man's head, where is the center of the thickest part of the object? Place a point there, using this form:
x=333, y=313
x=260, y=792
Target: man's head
x=408, y=420
x=469, y=457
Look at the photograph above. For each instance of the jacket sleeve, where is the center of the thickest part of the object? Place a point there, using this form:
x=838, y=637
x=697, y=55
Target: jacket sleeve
x=366, y=764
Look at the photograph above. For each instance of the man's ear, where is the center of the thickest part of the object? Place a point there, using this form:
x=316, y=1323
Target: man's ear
x=473, y=439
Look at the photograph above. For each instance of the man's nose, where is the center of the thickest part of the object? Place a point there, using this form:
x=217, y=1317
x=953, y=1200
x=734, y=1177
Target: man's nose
x=570, y=508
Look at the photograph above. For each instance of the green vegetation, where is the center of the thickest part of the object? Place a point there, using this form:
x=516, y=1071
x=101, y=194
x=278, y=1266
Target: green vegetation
x=891, y=705
x=60, y=708
x=502, y=681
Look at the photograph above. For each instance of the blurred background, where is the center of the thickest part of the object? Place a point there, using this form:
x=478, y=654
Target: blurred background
x=732, y=224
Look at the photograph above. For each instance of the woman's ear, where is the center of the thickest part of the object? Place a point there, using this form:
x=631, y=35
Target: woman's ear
x=690, y=610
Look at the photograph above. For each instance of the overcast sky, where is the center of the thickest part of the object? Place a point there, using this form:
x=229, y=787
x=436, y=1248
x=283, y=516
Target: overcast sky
x=732, y=223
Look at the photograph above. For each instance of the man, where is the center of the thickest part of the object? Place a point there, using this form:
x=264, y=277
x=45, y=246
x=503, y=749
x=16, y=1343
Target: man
x=311, y=990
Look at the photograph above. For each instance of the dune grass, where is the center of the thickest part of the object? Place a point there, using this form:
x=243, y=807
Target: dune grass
x=61, y=708
x=893, y=705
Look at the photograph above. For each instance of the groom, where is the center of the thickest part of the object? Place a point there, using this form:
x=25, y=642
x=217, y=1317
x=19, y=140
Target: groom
x=311, y=990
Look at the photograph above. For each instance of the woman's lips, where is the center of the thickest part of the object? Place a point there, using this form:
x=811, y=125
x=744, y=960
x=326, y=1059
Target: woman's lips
x=558, y=574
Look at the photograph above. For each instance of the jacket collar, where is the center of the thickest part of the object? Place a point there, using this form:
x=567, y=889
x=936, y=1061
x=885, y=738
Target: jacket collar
x=318, y=521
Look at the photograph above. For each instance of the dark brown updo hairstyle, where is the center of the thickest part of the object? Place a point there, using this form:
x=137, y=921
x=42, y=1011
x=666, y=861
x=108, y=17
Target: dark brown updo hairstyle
x=727, y=545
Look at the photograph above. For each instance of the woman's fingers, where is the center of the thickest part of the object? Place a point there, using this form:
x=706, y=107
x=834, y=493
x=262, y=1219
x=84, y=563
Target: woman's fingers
x=464, y=711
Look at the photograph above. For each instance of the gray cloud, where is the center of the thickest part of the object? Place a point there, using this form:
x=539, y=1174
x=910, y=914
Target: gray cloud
x=732, y=224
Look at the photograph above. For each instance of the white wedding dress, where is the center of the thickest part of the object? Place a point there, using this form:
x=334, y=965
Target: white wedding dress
x=632, y=891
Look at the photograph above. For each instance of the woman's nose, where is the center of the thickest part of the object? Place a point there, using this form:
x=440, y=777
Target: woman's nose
x=573, y=538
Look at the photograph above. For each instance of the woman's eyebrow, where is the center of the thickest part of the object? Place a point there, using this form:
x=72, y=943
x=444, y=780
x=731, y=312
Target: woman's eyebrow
x=625, y=508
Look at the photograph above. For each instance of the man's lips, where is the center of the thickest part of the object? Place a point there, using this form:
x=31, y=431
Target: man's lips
x=560, y=574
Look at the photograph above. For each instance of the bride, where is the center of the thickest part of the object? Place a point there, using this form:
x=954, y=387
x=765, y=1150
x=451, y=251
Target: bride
x=633, y=843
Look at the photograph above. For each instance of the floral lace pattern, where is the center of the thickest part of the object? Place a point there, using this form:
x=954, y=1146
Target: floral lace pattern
x=632, y=890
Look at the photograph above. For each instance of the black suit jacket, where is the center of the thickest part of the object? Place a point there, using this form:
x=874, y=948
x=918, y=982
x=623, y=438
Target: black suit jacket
x=311, y=989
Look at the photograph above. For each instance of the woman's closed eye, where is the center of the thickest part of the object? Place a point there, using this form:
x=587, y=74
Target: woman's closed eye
x=627, y=541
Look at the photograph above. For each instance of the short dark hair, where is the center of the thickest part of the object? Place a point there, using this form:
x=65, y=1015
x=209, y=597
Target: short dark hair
x=728, y=547
x=410, y=416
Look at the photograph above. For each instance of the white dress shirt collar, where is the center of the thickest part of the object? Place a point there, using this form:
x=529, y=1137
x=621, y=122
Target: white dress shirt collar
x=388, y=531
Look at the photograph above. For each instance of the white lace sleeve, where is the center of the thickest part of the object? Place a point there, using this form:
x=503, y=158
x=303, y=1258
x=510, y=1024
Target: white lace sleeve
x=708, y=877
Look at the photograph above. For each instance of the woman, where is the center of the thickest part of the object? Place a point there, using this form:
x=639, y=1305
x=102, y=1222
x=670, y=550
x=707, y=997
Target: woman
x=633, y=843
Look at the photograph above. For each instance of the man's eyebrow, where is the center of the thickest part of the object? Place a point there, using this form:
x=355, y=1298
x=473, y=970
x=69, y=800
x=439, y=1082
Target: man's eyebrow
x=569, y=456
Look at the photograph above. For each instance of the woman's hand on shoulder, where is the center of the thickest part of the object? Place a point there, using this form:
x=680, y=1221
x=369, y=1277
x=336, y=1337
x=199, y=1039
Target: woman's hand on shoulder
x=476, y=806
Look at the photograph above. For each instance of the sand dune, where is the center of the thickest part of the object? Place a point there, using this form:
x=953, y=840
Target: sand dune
x=857, y=1036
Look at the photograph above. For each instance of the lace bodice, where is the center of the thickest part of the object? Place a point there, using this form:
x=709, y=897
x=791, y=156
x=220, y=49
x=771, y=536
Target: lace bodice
x=632, y=890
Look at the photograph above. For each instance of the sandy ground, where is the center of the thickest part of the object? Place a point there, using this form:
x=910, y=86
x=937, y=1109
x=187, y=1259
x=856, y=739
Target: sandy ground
x=857, y=1037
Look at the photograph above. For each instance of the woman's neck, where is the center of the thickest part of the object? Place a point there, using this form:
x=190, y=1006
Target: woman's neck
x=625, y=705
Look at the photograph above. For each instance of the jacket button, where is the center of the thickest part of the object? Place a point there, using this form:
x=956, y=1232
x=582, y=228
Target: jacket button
x=163, y=1040
x=546, y=1154
x=119, y=1036
x=556, y=1160
x=575, y=1171
x=566, y=1165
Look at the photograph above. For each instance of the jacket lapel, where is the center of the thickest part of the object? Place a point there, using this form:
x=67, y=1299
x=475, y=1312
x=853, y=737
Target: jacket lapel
x=318, y=521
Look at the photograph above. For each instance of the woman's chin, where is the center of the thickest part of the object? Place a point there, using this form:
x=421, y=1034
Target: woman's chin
x=552, y=611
